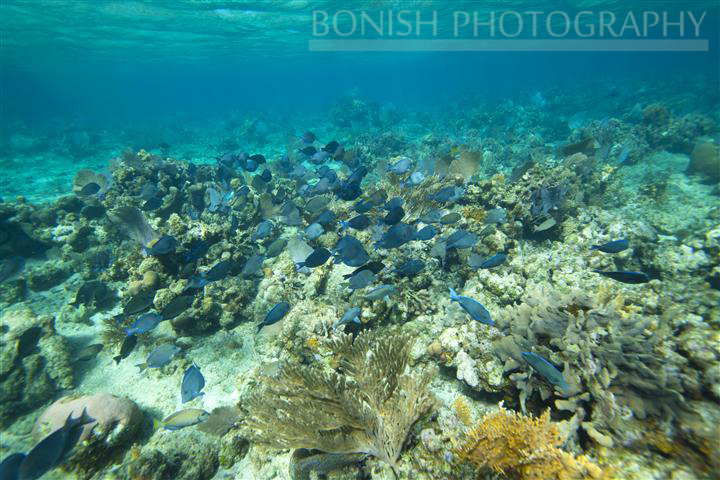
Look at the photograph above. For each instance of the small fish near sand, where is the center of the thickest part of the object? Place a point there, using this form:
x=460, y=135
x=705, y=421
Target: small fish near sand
x=192, y=384
x=615, y=246
x=88, y=353
x=473, y=308
x=184, y=418
x=126, y=348
x=161, y=356
x=626, y=277
x=275, y=314
x=546, y=369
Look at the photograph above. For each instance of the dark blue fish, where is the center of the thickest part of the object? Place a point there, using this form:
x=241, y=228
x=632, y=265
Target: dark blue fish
x=196, y=250
x=380, y=292
x=361, y=279
x=276, y=248
x=363, y=206
x=52, y=450
x=218, y=271
x=375, y=267
x=266, y=176
x=396, y=236
x=394, y=216
x=626, y=277
x=447, y=194
x=426, y=233
x=359, y=222
x=349, y=191
x=151, y=204
x=546, y=369
x=494, y=261
x=615, y=246
x=473, y=307
x=252, y=266
x=433, y=216
x=251, y=165
x=177, y=306
x=308, y=137
x=316, y=258
x=461, y=239
x=164, y=245
x=10, y=466
x=126, y=348
x=351, y=315
x=325, y=218
x=144, y=323
x=263, y=230
x=410, y=268
x=394, y=203
x=161, y=356
x=351, y=251
x=331, y=147
x=275, y=314
x=192, y=384
x=313, y=231
x=309, y=151
x=357, y=175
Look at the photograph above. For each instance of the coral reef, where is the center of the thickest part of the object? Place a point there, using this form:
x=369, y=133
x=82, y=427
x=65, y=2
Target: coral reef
x=523, y=447
x=34, y=362
x=369, y=408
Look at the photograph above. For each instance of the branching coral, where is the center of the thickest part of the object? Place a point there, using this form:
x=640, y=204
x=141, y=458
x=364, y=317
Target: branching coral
x=613, y=358
x=523, y=447
x=367, y=408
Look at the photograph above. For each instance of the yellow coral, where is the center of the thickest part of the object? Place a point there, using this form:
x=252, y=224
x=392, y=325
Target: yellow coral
x=524, y=447
x=462, y=410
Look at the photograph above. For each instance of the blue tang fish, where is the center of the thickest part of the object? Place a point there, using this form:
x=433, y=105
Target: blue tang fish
x=473, y=307
x=546, y=369
x=192, y=384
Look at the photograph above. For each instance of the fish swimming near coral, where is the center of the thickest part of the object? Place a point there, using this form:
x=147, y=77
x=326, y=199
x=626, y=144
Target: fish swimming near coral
x=176, y=306
x=496, y=216
x=52, y=450
x=144, y=323
x=161, y=356
x=351, y=251
x=359, y=222
x=394, y=215
x=184, y=418
x=252, y=266
x=396, y=236
x=162, y=246
x=380, y=292
x=410, y=268
x=192, y=384
x=275, y=314
x=473, y=308
x=426, y=233
x=361, y=279
x=626, y=277
x=494, y=261
x=318, y=257
x=461, y=239
x=126, y=348
x=10, y=466
x=615, y=246
x=351, y=315
x=546, y=369
x=140, y=302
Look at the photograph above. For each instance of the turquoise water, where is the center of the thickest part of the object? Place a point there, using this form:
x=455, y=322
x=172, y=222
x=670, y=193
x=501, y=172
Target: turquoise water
x=130, y=183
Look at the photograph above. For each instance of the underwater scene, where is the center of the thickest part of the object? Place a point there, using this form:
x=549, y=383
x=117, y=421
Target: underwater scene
x=402, y=239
